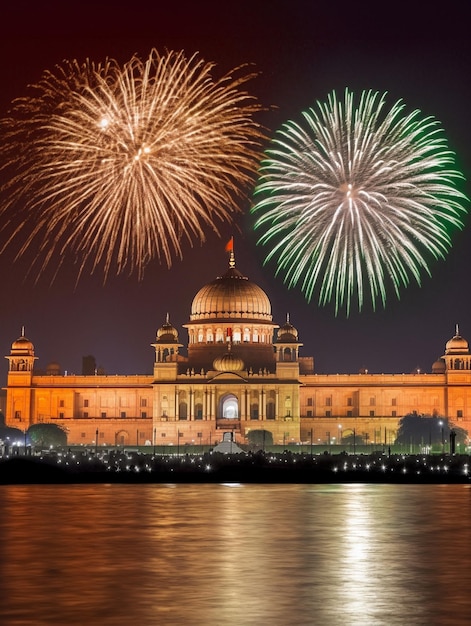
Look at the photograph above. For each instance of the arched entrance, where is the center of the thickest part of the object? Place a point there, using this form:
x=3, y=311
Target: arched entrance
x=121, y=438
x=229, y=407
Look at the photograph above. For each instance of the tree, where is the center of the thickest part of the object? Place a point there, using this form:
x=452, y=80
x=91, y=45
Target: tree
x=260, y=437
x=428, y=430
x=11, y=435
x=46, y=435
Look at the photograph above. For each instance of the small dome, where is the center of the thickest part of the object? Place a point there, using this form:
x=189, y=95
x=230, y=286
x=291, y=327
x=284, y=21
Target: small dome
x=22, y=346
x=53, y=369
x=457, y=345
x=287, y=333
x=167, y=333
x=439, y=367
x=228, y=363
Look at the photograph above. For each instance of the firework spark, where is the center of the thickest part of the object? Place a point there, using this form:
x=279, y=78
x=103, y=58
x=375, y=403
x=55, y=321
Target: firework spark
x=117, y=165
x=356, y=198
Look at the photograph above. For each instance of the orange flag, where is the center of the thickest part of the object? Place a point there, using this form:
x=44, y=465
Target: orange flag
x=230, y=245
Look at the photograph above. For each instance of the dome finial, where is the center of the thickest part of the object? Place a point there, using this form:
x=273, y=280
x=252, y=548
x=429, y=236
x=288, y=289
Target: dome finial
x=457, y=330
x=22, y=331
x=230, y=248
x=167, y=319
x=287, y=318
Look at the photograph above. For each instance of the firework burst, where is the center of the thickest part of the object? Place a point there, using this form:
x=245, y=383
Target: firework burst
x=118, y=165
x=357, y=198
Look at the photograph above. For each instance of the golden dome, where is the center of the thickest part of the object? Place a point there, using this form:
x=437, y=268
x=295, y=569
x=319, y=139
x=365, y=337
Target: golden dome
x=439, y=367
x=287, y=333
x=22, y=346
x=228, y=363
x=457, y=344
x=231, y=296
x=167, y=333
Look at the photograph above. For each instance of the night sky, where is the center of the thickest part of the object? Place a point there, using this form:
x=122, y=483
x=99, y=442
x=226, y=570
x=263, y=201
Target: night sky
x=302, y=50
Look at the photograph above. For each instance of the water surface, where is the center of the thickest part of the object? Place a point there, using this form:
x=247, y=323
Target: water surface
x=235, y=554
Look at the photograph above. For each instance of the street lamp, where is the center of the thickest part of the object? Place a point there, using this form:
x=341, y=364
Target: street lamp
x=443, y=436
x=96, y=442
x=340, y=434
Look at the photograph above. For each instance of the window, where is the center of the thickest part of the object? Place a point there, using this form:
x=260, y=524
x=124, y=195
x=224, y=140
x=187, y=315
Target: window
x=17, y=415
x=459, y=413
x=393, y=413
x=123, y=414
x=61, y=402
x=61, y=416
x=163, y=435
x=103, y=416
x=372, y=413
x=309, y=401
x=349, y=413
x=372, y=401
x=144, y=414
x=328, y=413
x=394, y=402
x=328, y=401
x=143, y=401
x=85, y=413
x=309, y=414
x=349, y=402
x=83, y=435
x=85, y=403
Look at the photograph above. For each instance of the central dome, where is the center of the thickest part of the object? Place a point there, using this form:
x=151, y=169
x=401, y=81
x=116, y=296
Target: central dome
x=231, y=296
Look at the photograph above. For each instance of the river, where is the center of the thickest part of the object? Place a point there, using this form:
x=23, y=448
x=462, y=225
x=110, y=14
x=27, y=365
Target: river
x=234, y=554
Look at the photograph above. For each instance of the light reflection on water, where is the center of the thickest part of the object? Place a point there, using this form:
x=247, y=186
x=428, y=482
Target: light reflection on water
x=235, y=554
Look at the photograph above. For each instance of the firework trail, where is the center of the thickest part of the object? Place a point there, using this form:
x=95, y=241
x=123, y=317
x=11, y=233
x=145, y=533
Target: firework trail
x=357, y=199
x=118, y=165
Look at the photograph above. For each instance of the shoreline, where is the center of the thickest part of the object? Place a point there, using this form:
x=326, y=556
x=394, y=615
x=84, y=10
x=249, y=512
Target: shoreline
x=264, y=468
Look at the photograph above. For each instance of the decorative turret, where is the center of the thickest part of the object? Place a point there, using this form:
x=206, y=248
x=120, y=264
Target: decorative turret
x=21, y=357
x=457, y=356
x=166, y=343
x=287, y=344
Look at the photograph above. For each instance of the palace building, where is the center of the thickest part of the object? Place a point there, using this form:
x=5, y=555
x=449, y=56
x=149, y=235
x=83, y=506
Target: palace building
x=242, y=373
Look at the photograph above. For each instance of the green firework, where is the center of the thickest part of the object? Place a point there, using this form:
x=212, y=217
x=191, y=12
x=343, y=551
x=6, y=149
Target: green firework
x=357, y=198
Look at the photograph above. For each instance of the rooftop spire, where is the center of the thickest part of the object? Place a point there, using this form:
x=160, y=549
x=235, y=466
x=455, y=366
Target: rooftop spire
x=457, y=330
x=230, y=249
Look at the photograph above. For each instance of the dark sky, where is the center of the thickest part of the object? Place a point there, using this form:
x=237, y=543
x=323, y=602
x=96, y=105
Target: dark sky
x=303, y=50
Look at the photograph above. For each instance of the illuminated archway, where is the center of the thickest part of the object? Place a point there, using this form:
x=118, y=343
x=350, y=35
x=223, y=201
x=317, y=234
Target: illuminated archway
x=230, y=407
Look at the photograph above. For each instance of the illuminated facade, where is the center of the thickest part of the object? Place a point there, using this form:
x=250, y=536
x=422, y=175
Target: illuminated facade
x=242, y=373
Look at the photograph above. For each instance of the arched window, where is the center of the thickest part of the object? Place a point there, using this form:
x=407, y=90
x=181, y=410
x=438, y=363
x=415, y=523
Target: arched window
x=183, y=411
